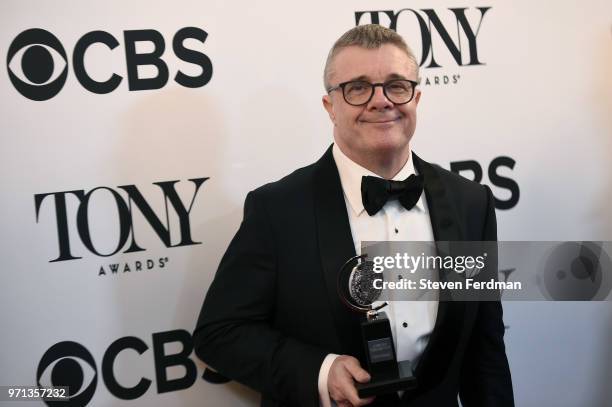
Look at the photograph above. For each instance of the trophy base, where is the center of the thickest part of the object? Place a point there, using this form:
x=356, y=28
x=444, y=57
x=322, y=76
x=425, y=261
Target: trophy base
x=403, y=381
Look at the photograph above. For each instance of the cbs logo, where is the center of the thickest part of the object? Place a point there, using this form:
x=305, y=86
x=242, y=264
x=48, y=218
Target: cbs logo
x=576, y=271
x=38, y=63
x=71, y=365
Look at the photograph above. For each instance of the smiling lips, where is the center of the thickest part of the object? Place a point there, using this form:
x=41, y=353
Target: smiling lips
x=381, y=121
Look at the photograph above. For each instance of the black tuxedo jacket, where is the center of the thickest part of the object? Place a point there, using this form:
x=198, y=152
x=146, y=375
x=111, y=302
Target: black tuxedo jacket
x=272, y=313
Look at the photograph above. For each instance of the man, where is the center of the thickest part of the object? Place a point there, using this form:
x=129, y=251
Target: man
x=272, y=318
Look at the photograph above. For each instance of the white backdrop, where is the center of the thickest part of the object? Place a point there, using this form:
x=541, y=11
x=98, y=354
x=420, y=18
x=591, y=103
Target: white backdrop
x=541, y=96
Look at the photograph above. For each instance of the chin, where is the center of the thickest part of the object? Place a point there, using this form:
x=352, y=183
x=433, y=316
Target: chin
x=389, y=144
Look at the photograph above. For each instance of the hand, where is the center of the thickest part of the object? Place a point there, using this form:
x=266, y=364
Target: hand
x=343, y=373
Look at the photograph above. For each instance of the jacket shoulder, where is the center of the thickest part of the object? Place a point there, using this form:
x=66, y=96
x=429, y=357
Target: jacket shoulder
x=298, y=181
x=460, y=185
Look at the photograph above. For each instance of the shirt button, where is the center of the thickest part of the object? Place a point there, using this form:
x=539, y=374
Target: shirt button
x=405, y=325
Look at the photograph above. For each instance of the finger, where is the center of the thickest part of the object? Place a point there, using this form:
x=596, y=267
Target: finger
x=369, y=400
x=353, y=397
x=358, y=373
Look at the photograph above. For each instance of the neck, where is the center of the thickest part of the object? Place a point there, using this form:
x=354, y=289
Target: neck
x=386, y=166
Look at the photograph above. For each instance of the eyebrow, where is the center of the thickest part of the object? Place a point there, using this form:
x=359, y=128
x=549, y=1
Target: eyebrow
x=367, y=78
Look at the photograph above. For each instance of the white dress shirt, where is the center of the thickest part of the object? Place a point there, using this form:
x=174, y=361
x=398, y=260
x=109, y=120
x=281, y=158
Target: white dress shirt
x=411, y=321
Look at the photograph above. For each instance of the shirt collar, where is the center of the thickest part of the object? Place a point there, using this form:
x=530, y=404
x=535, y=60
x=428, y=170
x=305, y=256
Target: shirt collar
x=350, y=177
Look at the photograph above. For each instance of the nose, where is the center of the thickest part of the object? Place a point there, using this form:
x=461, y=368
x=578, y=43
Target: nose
x=379, y=101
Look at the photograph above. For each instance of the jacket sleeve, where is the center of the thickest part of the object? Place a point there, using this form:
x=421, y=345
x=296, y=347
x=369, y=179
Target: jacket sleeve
x=235, y=333
x=485, y=376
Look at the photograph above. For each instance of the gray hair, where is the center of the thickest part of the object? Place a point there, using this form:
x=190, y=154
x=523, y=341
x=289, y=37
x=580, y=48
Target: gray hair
x=369, y=36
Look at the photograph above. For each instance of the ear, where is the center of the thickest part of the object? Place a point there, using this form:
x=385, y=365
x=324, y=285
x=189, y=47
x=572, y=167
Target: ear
x=417, y=97
x=329, y=106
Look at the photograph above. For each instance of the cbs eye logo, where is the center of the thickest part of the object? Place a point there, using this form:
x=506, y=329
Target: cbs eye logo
x=38, y=66
x=69, y=364
x=576, y=271
x=34, y=62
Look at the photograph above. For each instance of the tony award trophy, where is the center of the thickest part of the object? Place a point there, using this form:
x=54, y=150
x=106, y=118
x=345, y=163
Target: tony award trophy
x=356, y=290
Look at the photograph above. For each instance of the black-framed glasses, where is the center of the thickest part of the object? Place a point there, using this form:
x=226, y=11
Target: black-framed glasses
x=358, y=93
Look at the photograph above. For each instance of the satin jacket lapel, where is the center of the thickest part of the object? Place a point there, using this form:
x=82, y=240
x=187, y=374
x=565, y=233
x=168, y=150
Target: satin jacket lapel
x=446, y=227
x=335, y=247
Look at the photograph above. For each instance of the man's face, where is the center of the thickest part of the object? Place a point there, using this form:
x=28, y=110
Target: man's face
x=378, y=129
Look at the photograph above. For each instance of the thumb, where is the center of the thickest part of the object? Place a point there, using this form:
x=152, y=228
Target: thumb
x=358, y=373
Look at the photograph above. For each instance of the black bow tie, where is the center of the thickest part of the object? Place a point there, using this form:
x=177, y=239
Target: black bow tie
x=375, y=192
